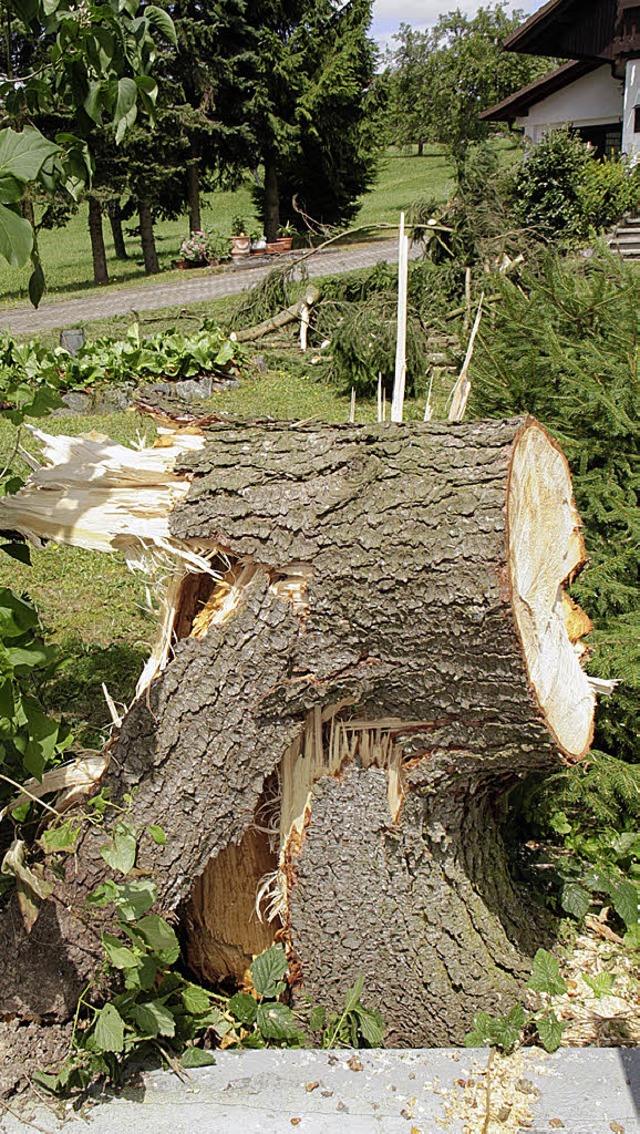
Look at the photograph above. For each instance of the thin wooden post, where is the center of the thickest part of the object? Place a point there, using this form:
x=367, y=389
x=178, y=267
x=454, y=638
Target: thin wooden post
x=397, y=403
x=304, y=327
x=352, y=413
x=379, y=396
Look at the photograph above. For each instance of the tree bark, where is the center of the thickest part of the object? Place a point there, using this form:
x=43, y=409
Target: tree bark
x=343, y=718
x=115, y=220
x=420, y=149
x=271, y=200
x=193, y=196
x=149, y=253
x=98, y=252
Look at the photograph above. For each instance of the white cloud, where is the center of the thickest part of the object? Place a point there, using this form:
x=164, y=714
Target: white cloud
x=418, y=11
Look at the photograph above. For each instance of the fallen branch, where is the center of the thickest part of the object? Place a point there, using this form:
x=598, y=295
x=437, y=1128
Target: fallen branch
x=289, y=315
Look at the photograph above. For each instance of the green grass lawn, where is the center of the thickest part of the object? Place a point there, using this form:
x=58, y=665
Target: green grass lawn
x=66, y=254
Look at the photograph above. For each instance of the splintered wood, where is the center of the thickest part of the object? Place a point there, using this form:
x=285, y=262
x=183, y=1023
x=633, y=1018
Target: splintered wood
x=546, y=550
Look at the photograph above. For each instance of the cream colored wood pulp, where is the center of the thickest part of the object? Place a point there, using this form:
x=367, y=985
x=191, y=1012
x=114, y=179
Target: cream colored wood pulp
x=545, y=551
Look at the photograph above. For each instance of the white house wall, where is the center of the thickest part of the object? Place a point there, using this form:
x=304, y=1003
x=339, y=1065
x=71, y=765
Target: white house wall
x=631, y=140
x=594, y=99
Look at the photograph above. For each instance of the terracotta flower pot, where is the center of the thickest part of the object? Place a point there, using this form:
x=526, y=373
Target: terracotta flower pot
x=241, y=245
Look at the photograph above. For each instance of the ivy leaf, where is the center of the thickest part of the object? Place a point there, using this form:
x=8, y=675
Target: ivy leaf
x=154, y=1018
x=160, y=938
x=545, y=975
x=276, y=1021
x=157, y=834
x=135, y=898
x=550, y=1030
x=267, y=972
x=120, y=854
x=197, y=1057
x=62, y=838
x=108, y=1031
x=244, y=1008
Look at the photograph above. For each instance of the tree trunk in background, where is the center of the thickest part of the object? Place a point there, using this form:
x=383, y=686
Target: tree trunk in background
x=115, y=220
x=193, y=196
x=388, y=653
x=420, y=148
x=27, y=210
x=271, y=200
x=98, y=251
x=147, y=238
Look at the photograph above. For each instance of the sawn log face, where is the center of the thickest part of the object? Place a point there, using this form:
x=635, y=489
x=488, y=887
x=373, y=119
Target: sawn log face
x=408, y=617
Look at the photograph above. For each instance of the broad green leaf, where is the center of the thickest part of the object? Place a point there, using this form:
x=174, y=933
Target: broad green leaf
x=507, y=1030
x=16, y=238
x=550, y=1030
x=626, y=902
x=352, y=998
x=195, y=1000
x=143, y=976
x=154, y=1018
x=103, y=894
x=36, y=282
x=23, y=154
x=126, y=98
x=575, y=900
x=108, y=1030
x=120, y=955
x=243, y=1007
x=157, y=834
x=162, y=21
x=120, y=854
x=62, y=838
x=11, y=190
x=545, y=975
x=197, y=1057
x=135, y=898
x=276, y=1021
x=160, y=937
x=19, y=551
x=371, y=1027
x=267, y=972
x=600, y=985
x=317, y=1018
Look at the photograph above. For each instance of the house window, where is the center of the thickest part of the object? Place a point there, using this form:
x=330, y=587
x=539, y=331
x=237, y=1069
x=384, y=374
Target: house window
x=636, y=120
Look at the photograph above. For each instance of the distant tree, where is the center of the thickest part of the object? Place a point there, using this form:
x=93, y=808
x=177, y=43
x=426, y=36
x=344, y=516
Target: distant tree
x=439, y=81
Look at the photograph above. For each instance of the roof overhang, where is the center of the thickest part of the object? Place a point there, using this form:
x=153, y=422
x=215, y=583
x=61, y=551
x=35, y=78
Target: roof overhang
x=520, y=103
x=570, y=29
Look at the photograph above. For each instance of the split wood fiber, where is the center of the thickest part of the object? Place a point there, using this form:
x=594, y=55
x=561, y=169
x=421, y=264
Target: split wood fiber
x=339, y=744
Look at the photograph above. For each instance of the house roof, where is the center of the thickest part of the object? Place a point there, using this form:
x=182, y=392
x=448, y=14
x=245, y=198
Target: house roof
x=570, y=29
x=519, y=103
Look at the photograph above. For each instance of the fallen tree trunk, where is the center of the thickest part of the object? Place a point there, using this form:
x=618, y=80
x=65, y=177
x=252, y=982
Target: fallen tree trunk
x=385, y=652
x=282, y=319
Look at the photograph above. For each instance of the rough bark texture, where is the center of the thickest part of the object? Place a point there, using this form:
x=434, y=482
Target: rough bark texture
x=408, y=621
x=115, y=220
x=149, y=254
x=98, y=252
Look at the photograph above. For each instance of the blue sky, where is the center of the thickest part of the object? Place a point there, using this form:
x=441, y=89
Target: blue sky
x=389, y=14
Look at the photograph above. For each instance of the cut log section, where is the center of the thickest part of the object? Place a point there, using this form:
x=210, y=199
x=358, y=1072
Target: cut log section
x=380, y=650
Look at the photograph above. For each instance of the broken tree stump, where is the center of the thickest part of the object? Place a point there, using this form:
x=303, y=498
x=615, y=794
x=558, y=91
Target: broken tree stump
x=386, y=652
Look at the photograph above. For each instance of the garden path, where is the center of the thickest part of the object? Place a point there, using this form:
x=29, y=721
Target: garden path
x=195, y=288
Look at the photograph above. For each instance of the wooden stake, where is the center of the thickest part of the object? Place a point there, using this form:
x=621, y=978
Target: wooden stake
x=428, y=409
x=397, y=403
x=462, y=388
x=467, y=299
x=304, y=327
x=384, y=404
x=379, y=397
x=352, y=414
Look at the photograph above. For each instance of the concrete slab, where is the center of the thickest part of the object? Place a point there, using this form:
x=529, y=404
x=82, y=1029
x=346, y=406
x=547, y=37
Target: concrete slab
x=581, y=1091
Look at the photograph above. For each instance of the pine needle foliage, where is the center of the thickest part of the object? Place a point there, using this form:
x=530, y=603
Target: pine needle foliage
x=564, y=345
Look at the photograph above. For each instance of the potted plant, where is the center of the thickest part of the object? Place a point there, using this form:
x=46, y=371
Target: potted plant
x=240, y=242
x=195, y=251
x=284, y=240
x=258, y=244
